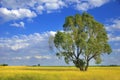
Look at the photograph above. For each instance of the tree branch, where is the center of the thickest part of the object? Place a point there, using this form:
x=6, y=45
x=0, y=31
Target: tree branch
x=92, y=56
x=74, y=54
x=79, y=52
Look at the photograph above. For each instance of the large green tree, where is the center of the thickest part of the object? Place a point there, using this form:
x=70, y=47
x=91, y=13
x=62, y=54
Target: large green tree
x=83, y=39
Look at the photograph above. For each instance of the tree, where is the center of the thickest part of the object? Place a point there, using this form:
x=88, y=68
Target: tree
x=38, y=65
x=3, y=64
x=83, y=39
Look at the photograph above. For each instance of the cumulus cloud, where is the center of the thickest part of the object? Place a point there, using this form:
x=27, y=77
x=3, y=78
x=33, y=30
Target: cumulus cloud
x=19, y=9
x=16, y=14
x=116, y=50
x=34, y=4
x=24, y=41
x=20, y=24
x=113, y=29
x=49, y=5
x=17, y=58
x=30, y=57
x=97, y=3
x=15, y=4
x=40, y=9
x=113, y=38
x=26, y=47
x=84, y=5
x=114, y=26
x=42, y=57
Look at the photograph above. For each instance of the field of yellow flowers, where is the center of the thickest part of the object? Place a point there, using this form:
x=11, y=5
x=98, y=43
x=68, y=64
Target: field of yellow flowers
x=58, y=73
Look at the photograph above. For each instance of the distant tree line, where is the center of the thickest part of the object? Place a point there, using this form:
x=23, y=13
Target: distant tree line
x=36, y=65
x=112, y=65
x=3, y=64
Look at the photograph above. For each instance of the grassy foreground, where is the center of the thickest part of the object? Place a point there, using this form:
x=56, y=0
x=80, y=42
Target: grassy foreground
x=58, y=73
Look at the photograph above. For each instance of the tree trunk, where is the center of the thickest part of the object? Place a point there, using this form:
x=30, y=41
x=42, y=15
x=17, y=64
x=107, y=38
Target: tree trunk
x=87, y=64
x=81, y=68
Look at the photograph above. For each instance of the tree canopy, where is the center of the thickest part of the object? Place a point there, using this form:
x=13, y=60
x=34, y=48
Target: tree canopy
x=83, y=39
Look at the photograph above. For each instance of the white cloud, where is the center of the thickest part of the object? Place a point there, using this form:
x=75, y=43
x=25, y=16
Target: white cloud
x=114, y=26
x=47, y=5
x=52, y=33
x=27, y=57
x=17, y=14
x=27, y=41
x=34, y=4
x=20, y=24
x=40, y=9
x=17, y=58
x=84, y=5
x=42, y=57
x=113, y=29
x=26, y=47
x=15, y=4
x=113, y=38
x=116, y=50
x=53, y=5
x=117, y=38
x=19, y=46
x=30, y=57
x=97, y=3
x=20, y=9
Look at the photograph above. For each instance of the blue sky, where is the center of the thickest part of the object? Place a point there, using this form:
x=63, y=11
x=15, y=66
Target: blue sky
x=25, y=26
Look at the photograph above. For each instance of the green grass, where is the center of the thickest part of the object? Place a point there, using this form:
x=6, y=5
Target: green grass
x=58, y=73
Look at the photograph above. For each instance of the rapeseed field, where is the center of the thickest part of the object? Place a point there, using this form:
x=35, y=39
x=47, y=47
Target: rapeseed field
x=58, y=73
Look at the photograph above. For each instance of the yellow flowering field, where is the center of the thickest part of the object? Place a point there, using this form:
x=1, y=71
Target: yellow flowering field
x=58, y=73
